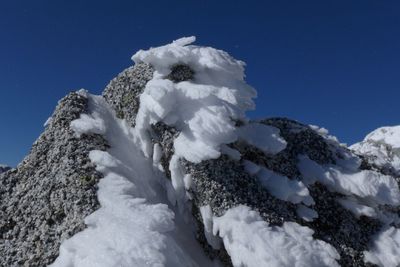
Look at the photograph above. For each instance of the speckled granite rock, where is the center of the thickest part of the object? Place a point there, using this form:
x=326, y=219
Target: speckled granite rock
x=45, y=199
x=223, y=183
x=122, y=93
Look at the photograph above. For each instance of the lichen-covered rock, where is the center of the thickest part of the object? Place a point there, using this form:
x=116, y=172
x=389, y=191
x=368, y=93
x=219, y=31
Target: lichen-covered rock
x=46, y=198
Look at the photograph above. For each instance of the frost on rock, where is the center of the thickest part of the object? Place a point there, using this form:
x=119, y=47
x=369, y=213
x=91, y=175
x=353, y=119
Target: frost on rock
x=203, y=109
x=251, y=242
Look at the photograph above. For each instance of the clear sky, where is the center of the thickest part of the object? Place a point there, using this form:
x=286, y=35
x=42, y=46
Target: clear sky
x=331, y=63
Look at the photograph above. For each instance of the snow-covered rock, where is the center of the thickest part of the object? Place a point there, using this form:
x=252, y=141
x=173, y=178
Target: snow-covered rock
x=4, y=168
x=165, y=169
x=382, y=148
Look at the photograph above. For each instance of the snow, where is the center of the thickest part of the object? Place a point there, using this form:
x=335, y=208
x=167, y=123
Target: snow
x=356, y=208
x=386, y=135
x=204, y=110
x=207, y=216
x=383, y=145
x=386, y=249
x=280, y=186
x=232, y=153
x=143, y=219
x=264, y=137
x=368, y=185
x=134, y=226
x=250, y=241
x=306, y=213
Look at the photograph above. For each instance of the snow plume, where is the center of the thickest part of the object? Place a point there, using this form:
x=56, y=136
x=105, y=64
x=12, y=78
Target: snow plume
x=204, y=109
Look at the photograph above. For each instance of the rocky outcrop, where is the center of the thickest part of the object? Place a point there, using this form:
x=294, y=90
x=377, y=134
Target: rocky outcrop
x=223, y=183
x=4, y=168
x=381, y=150
x=46, y=198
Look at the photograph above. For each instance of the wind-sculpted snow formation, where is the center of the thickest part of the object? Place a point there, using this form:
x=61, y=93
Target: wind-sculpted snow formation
x=184, y=178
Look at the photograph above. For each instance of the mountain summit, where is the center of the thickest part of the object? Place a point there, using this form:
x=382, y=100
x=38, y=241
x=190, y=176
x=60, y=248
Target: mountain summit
x=165, y=169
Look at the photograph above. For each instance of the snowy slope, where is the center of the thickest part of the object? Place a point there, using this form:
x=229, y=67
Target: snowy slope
x=382, y=147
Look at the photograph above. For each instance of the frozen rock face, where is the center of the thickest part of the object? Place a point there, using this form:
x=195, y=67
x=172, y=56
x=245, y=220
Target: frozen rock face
x=46, y=198
x=224, y=183
x=381, y=148
x=274, y=192
x=4, y=168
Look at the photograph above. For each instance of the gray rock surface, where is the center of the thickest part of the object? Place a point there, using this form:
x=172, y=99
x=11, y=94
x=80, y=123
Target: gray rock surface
x=45, y=199
x=223, y=183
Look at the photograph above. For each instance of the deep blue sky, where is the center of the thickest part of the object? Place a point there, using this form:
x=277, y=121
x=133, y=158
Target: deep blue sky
x=331, y=63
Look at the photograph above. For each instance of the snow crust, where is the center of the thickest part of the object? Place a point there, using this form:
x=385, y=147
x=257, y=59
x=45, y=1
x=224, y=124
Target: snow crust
x=251, y=242
x=386, y=249
x=134, y=226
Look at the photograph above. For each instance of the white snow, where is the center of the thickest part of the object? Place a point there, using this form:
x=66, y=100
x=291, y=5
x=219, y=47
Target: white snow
x=264, y=137
x=133, y=227
x=207, y=216
x=369, y=185
x=386, y=249
x=383, y=145
x=280, y=186
x=306, y=213
x=386, y=135
x=205, y=109
x=356, y=208
x=251, y=242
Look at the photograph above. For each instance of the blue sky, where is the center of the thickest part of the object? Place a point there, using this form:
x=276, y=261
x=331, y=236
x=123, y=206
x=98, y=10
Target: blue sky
x=331, y=63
